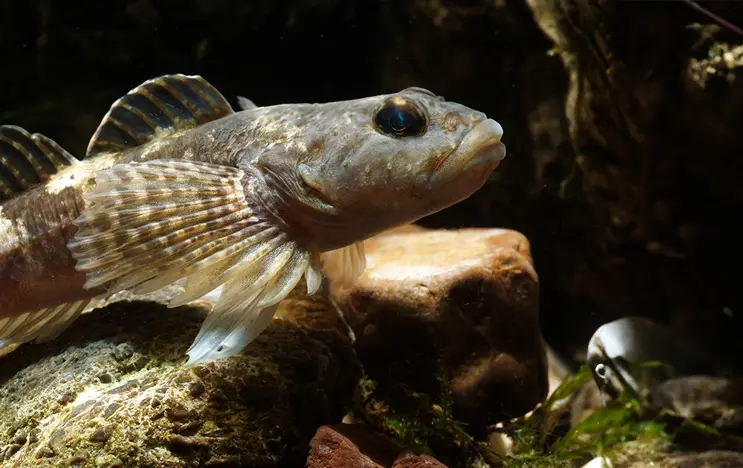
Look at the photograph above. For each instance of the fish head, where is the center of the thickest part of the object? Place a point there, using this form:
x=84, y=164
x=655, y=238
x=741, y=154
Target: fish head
x=629, y=355
x=366, y=165
x=610, y=373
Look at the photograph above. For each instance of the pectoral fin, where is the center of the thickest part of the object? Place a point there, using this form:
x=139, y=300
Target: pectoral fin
x=149, y=224
x=161, y=219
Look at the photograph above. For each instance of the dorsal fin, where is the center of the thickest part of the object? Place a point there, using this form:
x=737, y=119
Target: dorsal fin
x=162, y=106
x=27, y=160
x=245, y=103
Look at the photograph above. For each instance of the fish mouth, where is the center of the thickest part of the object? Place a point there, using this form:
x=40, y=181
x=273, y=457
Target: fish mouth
x=481, y=148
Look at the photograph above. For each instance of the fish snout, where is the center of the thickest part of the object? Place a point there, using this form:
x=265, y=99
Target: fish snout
x=480, y=148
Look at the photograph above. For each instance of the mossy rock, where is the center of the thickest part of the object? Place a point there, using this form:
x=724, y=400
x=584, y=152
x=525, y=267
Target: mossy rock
x=113, y=391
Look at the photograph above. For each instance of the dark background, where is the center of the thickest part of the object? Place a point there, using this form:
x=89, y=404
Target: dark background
x=64, y=62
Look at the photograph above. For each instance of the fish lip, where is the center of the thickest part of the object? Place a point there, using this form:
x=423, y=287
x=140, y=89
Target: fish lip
x=481, y=145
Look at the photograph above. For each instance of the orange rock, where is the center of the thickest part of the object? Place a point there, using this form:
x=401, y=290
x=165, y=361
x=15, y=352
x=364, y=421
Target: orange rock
x=461, y=301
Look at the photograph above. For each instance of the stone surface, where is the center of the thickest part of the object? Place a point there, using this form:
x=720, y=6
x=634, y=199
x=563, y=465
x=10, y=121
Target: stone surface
x=457, y=307
x=717, y=401
x=711, y=459
x=412, y=460
x=358, y=446
x=113, y=391
x=352, y=446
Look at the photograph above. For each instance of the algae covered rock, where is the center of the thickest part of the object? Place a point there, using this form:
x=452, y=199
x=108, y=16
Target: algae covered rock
x=113, y=391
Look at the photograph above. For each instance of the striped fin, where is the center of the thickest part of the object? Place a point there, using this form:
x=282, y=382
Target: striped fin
x=159, y=107
x=42, y=325
x=27, y=160
x=151, y=224
x=345, y=265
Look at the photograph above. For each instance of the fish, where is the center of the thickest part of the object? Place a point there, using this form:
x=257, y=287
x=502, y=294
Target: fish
x=634, y=354
x=176, y=188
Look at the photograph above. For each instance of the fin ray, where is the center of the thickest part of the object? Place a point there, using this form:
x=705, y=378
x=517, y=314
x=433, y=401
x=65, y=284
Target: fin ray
x=126, y=250
x=27, y=160
x=240, y=316
x=251, y=267
x=41, y=325
x=206, y=273
x=159, y=107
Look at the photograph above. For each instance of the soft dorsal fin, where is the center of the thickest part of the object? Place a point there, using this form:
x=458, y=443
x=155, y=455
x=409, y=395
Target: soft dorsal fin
x=162, y=106
x=27, y=160
x=245, y=103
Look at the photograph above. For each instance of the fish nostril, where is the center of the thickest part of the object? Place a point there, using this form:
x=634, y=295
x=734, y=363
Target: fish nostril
x=477, y=117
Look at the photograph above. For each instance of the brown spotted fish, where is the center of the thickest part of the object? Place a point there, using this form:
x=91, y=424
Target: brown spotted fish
x=176, y=188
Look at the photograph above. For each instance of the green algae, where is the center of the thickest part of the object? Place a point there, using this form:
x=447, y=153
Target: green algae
x=427, y=425
x=623, y=430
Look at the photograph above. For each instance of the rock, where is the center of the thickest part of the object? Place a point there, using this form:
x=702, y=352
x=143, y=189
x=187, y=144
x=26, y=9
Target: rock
x=458, y=307
x=358, y=446
x=711, y=459
x=717, y=401
x=411, y=460
x=260, y=408
x=352, y=446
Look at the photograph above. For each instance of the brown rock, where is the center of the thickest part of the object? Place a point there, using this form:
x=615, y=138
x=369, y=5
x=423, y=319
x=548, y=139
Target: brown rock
x=350, y=446
x=411, y=460
x=462, y=302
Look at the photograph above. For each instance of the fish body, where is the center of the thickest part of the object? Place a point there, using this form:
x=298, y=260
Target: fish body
x=177, y=187
x=37, y=268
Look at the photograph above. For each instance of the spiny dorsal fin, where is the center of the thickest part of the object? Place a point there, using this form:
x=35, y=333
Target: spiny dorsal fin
x=162, y=106
x=27, y=160
x=245, y=103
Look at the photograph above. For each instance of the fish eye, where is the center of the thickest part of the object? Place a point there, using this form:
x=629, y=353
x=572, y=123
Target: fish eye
x=400, y=118
x=601, y=371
